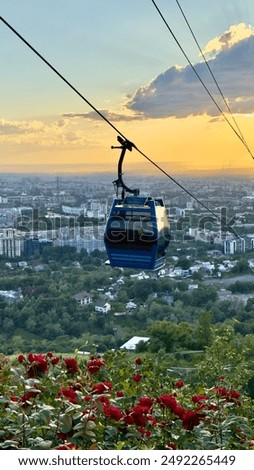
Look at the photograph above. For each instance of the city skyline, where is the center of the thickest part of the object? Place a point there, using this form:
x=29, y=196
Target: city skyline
x=121, y=57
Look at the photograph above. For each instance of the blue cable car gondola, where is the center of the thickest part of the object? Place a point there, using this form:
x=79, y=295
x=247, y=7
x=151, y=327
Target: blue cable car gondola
x=137, y=231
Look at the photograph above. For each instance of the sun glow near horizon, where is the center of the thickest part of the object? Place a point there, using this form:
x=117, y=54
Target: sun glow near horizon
x=185, y=145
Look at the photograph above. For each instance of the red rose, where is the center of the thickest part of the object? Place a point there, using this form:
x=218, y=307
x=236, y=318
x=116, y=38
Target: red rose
x=55, y=360
x=87, y=398
x=38, y=365
x=170, y=445
x=221, y=391
x=137, y=377
x=63, y=435
x=94, y=365
x=179, y=384
x=167, y=400
x=102, y=387
x=113, y=412
x=27, y=396
x=170, y=402
x=72, y=366
x=102, y=399
x=139, y=415
x=191, y=419
x=138, y=361
x=36, y=357
x=68, y=446
x=144, y=432
x=199, y=398
x=15, y=399
x=146, y=401
x=233, y=394
x=68, y=393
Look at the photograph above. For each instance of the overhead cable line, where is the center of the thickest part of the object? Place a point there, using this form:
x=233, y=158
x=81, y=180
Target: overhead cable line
x=213, y=76
x=200, y=79
x=131, y=144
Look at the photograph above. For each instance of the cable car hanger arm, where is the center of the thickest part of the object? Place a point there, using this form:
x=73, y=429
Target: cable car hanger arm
x=119, y=183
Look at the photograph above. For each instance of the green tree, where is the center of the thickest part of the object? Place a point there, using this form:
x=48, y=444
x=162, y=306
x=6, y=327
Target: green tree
x=241, y=267
x=184, y=263
x=7, y=326
x=170, y=336
x=224, y=361
x=242, y=287
x=203, y=333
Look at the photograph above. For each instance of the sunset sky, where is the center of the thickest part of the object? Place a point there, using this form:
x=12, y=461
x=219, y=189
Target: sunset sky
x=120, y=55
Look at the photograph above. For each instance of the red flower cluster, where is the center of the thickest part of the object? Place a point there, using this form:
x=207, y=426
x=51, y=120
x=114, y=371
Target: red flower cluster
x=189, y=418
x=102, y=387
x=68, y=393
x=27, y=396
x=229, y=395
x=146, y=402
x=105, y=403
x=140, y=414
x=113, y=412
x=199, y=398
x=94, y=365
x=71, y=365
x=53, y=359
x=38, y=365
x=169, y=401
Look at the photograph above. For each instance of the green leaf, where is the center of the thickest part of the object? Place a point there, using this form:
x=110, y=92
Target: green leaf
x=66, y=423
x=9, y=444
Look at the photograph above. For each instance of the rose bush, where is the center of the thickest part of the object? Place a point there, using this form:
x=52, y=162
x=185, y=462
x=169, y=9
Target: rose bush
x=114, y=402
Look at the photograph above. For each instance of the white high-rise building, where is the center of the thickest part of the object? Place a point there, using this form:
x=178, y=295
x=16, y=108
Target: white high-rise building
x=11, y=243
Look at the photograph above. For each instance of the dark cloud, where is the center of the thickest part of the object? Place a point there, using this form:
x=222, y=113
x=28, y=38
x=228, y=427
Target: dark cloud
x=111, y=116
x=178, y=92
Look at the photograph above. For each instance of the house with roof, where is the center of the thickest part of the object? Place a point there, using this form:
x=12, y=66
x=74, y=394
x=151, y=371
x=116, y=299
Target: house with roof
x=132, y=343
x=83, y=298
x=102, y=306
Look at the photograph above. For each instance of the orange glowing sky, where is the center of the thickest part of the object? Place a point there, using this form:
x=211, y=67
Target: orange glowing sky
x=136, y=75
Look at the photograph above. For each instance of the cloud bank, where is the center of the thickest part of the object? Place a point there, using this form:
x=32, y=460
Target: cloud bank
x=110, y=115
x=19, y=127
x=178, y=92
x=37, y=132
